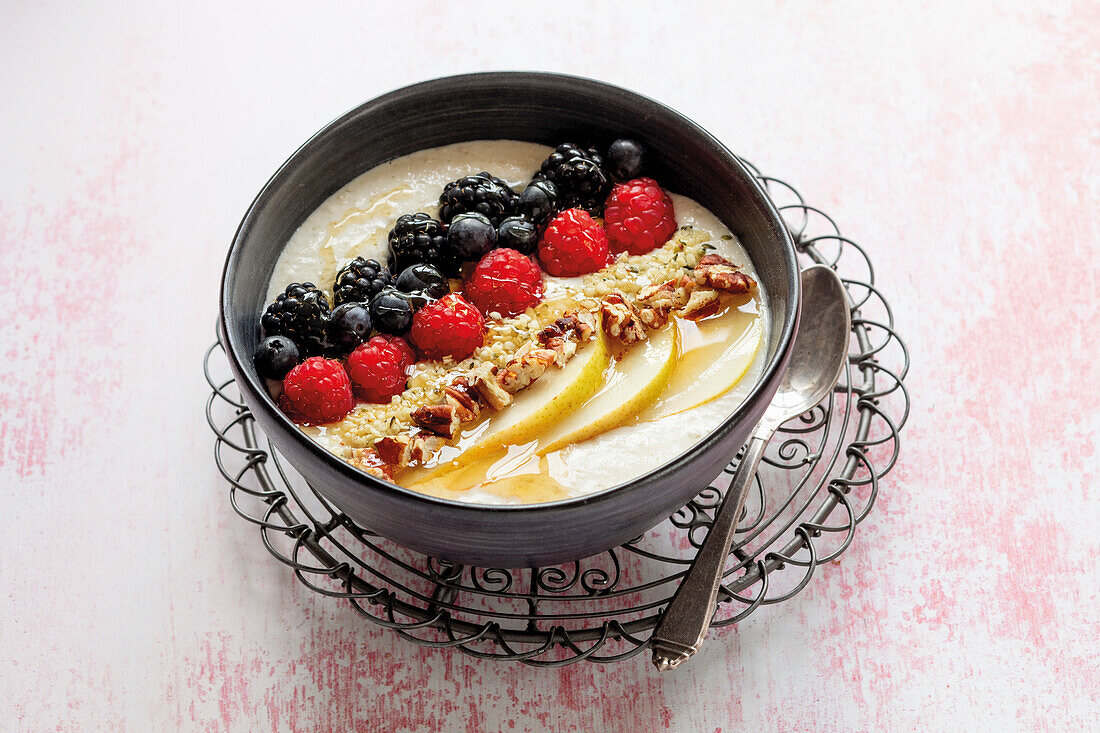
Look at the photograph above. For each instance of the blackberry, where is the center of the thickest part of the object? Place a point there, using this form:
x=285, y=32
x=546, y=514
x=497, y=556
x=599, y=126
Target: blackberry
x=359, y=281
x=480, y=193
x=420, y=238
x=579, y=175
x=301, y=314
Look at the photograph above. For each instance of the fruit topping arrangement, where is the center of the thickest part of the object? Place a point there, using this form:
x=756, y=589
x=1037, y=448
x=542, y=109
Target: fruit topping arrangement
x=482, y=261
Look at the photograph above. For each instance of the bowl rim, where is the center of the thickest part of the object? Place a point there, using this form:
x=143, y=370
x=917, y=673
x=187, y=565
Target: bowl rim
x=251, y=387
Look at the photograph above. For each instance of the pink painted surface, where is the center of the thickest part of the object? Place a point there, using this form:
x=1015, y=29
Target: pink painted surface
x=958, y=142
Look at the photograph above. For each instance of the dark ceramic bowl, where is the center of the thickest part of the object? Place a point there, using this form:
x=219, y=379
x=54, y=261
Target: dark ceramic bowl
x=537, y=107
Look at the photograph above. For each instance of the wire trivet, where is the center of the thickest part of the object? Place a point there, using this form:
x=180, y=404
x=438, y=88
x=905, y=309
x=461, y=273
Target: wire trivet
x=818, y=481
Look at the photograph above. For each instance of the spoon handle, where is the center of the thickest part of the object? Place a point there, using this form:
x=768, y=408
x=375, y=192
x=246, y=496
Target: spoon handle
x=684, y=624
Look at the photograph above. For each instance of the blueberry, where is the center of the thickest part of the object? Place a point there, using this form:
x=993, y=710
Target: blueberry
x=423, y=278
x=471, y=236
x=349, y=325
x=515, y=232
x=275, y=357
x=625, y=157
x=419, y=299
x=392, y=311
x=538, y=201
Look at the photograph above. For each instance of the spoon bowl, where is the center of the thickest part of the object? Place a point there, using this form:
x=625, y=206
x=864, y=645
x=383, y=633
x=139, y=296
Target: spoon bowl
x=820, y=348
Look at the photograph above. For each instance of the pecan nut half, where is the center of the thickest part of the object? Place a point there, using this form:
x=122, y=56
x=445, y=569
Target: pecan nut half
x=529, y=364
x=439, y=419
x=621, y=319
x=396, y=450
x=486, y=386
x=702, y=303
x=721, y=274
x=464, y=399
x=368, y=460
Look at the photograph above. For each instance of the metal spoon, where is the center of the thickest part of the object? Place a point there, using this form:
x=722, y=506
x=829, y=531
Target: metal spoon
x=818, y=356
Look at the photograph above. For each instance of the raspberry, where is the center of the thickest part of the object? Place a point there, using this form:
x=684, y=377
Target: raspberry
x=408, y=357
x=448, y=327
x=504, y=281
x=378, y=368
x=573, y=244
x=317, y=391
x=638, y=216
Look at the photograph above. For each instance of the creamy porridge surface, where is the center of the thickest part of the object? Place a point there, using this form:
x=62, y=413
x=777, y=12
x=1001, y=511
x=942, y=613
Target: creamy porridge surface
x=355, y=221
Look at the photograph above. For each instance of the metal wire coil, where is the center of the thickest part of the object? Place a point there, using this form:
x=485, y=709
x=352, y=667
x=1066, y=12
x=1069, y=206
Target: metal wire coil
x=818, y=481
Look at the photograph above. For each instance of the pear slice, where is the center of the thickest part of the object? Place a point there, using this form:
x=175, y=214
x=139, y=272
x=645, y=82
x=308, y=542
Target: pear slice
x=630, y=385
x=716, y=353
x=556, y=394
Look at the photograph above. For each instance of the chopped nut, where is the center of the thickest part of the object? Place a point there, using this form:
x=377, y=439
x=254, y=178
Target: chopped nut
x=462, y=385
x=485, y=383
x=399, y=451
x=555, y=330
x=367, y=459
x=526, y=368
x=702, y=303
x=653, y=317
x=721, y=274
x=670, y=294
x=563, y=348
x=656, y=302
x=462, y=397
x=425, y=445
x=576, y=324
x=621, y=320
x=562, y=336
x=395, y=450
x=585, y=325
x=439, y=419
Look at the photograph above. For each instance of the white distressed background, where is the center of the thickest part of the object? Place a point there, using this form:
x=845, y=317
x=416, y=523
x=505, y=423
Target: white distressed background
x=957, y=141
